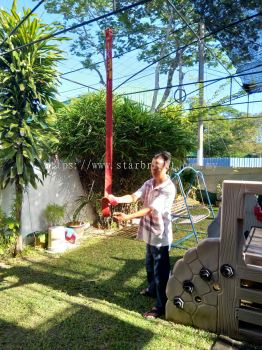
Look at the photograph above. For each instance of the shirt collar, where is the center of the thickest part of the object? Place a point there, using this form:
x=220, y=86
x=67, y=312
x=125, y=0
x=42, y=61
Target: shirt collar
x=162, y=185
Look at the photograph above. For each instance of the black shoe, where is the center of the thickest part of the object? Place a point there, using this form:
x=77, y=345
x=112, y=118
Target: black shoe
x=153, y=313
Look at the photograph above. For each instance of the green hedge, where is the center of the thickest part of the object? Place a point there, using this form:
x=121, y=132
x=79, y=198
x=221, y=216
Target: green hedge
x=138, y=135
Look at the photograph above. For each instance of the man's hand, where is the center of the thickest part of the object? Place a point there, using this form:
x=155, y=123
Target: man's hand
x=120, y=216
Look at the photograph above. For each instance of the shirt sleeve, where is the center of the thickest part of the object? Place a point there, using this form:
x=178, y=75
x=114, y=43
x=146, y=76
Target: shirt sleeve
x=140, y=193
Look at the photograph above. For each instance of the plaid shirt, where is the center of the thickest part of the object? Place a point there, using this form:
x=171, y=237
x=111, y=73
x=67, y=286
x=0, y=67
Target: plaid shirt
x=156, y=227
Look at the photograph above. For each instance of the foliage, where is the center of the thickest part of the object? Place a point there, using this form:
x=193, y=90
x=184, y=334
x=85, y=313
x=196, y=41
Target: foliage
x=37, y=239
x=219, y=191
x=154, y=30
x=188, y=179
x=138, y=135
x=201, y=196
x=240, y=41
x=28, y=80
x=9, y=229
x=245, y=134
x=27, y=87
x=54, y=214
x=82, y=202
x=227, y=138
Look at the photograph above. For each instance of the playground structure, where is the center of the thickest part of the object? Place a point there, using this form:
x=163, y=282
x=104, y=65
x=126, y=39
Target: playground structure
x=217, y=286
x=183, y=212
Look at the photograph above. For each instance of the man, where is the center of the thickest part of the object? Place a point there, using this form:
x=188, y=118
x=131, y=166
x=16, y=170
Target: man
x=157, y=195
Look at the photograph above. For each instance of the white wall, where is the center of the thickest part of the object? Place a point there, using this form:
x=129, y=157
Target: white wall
x=6, y=197
x=62, y=186
x=215, y=175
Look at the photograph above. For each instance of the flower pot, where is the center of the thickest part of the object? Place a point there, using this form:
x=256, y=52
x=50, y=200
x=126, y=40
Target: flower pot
x=78, y=227
x=41, y=241
x=56, y=239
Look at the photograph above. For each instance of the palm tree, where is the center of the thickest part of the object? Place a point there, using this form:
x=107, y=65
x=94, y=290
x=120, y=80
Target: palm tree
x=28, y=82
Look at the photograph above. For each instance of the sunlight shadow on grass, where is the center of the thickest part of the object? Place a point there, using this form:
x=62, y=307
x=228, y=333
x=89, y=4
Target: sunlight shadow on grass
x=89, y=293
x=84, y=329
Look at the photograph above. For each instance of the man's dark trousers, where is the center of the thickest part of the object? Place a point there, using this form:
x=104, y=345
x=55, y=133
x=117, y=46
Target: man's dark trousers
x=158, y=270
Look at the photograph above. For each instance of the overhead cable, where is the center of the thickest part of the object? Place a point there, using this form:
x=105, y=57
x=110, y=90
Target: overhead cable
x=84, y=85
x=187, y=45
x=192, y=83
x=212, y=106
x=49, y=36
x=21, y=22
x=210, y=82
x=120, y=55
x=197, y=36
x=191, y=92
x=99, y=62
x=226, y=119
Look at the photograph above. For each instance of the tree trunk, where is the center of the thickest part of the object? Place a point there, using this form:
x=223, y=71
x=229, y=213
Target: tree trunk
x=171, y=71
x=102, y=81
x=18, y=212
x=162, y=53
x=154, y=100
x=181, y=79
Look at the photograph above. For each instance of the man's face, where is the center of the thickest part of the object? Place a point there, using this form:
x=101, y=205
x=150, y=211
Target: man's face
x=158, y=167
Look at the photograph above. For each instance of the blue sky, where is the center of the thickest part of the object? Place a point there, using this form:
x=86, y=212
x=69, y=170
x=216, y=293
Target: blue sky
x=128, y=65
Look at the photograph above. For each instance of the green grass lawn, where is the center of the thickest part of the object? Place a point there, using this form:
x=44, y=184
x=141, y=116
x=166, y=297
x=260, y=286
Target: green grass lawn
x=86, y=298
x=201, y=227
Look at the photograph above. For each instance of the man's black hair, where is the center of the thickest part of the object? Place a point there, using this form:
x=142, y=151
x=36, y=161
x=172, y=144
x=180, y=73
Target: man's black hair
x=166, y=156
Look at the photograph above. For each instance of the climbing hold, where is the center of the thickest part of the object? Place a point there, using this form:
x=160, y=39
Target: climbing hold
x=188, y=286
x=205, y=274
x=178, y=302
x=227, y=271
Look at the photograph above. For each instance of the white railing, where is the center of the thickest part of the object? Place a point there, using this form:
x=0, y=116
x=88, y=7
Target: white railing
x=229, y=162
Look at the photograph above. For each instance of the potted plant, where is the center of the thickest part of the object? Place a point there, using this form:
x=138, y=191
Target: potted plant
x=38, y=239
x=54, y=215
x=77, y=224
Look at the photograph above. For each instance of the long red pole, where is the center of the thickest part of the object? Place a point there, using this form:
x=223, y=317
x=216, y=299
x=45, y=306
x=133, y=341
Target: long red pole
x=109, y=113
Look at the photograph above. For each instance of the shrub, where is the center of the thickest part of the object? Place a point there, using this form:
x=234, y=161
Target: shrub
x=54, y=214
x=9, y=229
x=201, y=196
x=138, y=135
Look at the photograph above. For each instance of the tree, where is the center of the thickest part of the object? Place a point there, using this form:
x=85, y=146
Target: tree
x=28, y=80
x=155, y=30
x=246, y=134
x=241, y=43
x=138, y=135
x=227, y=134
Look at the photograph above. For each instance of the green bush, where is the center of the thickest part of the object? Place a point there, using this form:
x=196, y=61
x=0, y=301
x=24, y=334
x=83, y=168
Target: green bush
x=9, y=229
x=201, y=195
x=138, y=135
x=54, y=214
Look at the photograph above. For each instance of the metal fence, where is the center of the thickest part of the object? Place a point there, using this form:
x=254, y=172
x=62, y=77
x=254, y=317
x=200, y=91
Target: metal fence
x=229, y=162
